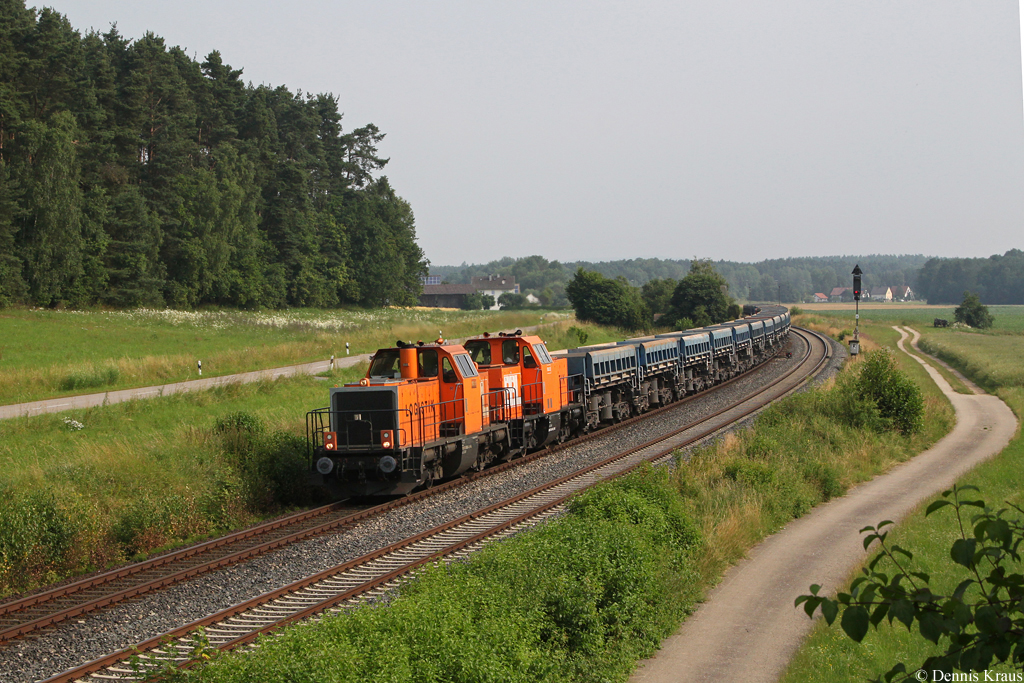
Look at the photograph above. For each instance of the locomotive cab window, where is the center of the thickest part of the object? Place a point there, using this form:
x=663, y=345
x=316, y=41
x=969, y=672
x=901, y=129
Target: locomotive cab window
x=385, y=364
x=479, y=351
x=510, y=352
x=528, y=360
x=448, y=372
x=428, y=362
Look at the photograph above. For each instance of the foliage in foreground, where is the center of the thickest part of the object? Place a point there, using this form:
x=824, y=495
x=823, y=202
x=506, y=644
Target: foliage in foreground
x=581, y=598
x=980, y=621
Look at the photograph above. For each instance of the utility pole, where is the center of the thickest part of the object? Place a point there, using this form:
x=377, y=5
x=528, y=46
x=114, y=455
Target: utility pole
x=855, y=342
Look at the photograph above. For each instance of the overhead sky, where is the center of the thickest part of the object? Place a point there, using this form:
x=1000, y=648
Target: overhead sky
x=729, y=129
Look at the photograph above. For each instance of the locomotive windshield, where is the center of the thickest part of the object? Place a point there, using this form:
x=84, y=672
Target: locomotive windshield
x=385, y=364
x=479, y=351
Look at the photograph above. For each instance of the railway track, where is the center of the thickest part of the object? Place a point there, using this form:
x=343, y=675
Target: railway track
x=367, y=577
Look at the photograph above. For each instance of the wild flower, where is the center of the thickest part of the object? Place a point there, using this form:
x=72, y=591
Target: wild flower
x=73, y=425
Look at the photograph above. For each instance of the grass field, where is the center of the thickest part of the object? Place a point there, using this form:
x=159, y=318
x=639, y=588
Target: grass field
x=991, y=360
x=1008, y=319
x=47, y=353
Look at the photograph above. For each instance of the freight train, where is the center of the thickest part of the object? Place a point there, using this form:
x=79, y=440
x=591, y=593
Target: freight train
x=427, y=412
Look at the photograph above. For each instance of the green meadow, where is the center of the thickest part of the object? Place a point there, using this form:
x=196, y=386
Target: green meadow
x=47, y=353
x=992, y=360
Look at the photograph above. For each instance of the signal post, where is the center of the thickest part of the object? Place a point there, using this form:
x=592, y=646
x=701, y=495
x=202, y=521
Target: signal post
x=855, y=342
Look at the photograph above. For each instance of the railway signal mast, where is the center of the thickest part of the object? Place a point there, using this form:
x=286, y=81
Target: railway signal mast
x=855, y=342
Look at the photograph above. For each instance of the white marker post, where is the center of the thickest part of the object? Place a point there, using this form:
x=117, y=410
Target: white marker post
x=199, y=364
x=332, y=361
x=346, y=348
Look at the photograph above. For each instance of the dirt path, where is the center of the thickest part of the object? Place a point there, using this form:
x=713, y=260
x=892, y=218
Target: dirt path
x=748, y=629
x=956, y=373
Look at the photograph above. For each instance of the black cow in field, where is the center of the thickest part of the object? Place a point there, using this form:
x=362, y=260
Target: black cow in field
x=939, y=322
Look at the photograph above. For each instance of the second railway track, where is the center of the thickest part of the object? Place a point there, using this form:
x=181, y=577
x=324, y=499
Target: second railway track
x=378, y=571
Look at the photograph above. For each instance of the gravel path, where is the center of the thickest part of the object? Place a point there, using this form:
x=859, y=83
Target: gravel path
x=124, y=625
x=747, y=630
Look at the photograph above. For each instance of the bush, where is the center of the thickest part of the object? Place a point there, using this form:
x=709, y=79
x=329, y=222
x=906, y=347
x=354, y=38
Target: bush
x=580, y=334
x=898, y=399
x=37, y=538
x=271, y=466
x=473, y=302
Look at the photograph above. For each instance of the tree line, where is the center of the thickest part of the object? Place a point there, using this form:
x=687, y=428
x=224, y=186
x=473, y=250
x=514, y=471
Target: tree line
x=996, y=279
x=132, y=174
x=700, y=298
x=791, y=280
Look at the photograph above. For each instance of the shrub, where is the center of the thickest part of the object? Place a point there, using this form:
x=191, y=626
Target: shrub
x=37, y=538
x=272, y=467
x=898, y=399
x=580, y=334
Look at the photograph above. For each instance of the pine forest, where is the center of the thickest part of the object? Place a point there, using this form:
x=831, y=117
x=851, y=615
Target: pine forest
x=133, y=175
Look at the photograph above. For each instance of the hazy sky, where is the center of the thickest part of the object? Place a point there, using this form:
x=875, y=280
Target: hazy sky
x=730, y=129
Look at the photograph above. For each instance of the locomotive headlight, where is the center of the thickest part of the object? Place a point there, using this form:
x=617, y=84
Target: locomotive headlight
x=324, y=465
x=387, y=464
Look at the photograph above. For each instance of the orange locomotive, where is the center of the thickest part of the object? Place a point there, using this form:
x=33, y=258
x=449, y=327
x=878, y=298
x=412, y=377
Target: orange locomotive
x=430, y=411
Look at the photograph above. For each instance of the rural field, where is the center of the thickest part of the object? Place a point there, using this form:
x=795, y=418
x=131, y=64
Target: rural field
x=91, y=488
x=991, y=359
x=46, y=353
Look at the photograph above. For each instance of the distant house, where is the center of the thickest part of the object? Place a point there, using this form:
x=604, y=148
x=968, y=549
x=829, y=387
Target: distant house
x=902, y=293
x=445, y=296
x=837, y=293
x=495, y=285
x=881, y=294
x=820, y=298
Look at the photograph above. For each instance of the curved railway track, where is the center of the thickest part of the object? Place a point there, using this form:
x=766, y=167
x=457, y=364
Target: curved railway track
x=371, y=575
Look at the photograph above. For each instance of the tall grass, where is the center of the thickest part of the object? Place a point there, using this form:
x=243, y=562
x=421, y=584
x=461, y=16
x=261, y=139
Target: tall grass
x=992, y=361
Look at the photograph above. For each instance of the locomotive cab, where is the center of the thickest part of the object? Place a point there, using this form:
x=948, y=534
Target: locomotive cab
x=529, y=387
x=416, y=416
